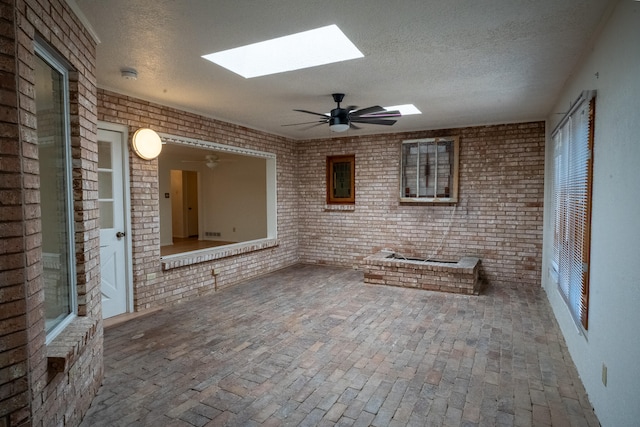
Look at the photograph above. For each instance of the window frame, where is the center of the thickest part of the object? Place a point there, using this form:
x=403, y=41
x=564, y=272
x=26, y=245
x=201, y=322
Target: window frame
x=453, y=198
x=332, y=161
x=184, y=258
x=570, y=259
x=58, y=64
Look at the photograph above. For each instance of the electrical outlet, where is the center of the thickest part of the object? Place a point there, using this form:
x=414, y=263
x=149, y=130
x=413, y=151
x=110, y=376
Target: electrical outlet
x=604, y=374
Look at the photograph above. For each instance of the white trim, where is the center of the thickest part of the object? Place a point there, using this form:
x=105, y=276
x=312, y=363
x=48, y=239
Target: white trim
x=167, y=138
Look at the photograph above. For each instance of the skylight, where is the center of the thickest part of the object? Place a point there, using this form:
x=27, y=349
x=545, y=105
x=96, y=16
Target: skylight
x=311, y=48
x=405, y=109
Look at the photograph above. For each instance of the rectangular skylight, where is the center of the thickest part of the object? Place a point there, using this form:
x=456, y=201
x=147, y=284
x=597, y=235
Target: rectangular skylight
x=405, y=109
x=311, y=48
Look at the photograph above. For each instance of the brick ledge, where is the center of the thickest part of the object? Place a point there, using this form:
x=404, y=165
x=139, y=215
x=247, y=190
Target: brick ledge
x=63, y=351
x=344, y=208
x=216, y=253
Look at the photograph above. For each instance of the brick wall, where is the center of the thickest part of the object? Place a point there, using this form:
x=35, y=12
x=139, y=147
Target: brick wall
x=154, y=287
x=30, y=392
x=498, y=217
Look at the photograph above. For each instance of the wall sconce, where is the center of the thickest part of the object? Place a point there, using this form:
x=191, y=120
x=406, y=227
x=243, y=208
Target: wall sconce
x=146, y=143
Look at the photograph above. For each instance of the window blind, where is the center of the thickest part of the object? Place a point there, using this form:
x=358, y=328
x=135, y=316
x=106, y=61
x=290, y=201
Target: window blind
x=573, y=164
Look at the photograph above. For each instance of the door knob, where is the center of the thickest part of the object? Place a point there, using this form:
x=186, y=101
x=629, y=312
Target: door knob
x=120, y=234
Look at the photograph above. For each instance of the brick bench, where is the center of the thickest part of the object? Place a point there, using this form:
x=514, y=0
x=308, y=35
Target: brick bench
x=461, y=277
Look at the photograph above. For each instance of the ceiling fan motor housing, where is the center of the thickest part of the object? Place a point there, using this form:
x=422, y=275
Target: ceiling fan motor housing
x=339, y=116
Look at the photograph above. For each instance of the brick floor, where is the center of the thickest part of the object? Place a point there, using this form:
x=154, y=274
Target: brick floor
x=315, y=346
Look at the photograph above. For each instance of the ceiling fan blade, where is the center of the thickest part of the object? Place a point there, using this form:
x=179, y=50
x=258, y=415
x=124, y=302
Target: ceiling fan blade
x=368, y=110
x=312, y=126
x=352, y=126
x=311, y=112
x=385, y=113
x=373, y=121
x=306, y=123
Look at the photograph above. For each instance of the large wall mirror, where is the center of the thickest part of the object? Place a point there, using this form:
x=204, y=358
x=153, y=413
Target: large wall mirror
x=213, y=195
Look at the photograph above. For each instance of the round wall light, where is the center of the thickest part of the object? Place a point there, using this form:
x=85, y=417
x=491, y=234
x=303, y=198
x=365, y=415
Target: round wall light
x=146, y=143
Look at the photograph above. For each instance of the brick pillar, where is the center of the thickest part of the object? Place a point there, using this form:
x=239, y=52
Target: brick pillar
x=15, y=238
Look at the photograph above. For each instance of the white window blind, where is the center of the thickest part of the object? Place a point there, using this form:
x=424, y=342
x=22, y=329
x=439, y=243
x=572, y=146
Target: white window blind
x=573, y=164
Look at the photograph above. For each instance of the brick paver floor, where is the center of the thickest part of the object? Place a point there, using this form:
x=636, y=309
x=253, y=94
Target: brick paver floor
x=312, y=345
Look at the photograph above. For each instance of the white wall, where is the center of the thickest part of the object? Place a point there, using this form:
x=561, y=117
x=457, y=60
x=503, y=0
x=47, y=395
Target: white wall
x=241, y=186
x=612, y=67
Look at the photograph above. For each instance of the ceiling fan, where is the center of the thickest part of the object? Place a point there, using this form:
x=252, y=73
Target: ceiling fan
x=210, y=161
x=342, y=119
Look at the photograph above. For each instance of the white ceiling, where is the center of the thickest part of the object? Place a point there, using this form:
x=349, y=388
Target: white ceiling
x=461, y=62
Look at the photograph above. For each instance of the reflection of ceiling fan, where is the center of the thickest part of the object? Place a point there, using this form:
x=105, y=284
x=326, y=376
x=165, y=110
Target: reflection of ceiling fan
x=342, y=119
x=210, y=161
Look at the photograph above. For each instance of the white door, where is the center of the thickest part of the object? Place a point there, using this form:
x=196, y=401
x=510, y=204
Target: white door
x=113, y=239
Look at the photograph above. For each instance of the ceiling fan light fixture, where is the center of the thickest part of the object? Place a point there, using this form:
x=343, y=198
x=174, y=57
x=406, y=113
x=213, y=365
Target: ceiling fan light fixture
x=338, y=127
x=339, y=121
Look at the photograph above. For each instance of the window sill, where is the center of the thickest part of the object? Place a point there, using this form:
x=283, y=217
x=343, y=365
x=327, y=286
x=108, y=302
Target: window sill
x=63, y=351
x=429, y=200
x=345, y=207
x=170, y=262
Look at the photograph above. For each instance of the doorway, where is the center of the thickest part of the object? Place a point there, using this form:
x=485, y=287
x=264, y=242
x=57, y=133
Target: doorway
x=184, y=204
x=115, y=239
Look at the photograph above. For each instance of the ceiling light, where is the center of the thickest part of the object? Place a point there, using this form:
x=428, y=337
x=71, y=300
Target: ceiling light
x=146, y=143
x=311, y=48
x=405, y=109
x=339, y=127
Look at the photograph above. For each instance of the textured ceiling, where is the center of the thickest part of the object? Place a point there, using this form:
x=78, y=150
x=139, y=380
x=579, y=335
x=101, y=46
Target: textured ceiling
x=461, y=62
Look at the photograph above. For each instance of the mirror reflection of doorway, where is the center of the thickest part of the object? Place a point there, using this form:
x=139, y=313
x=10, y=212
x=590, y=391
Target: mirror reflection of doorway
x=184, y=204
